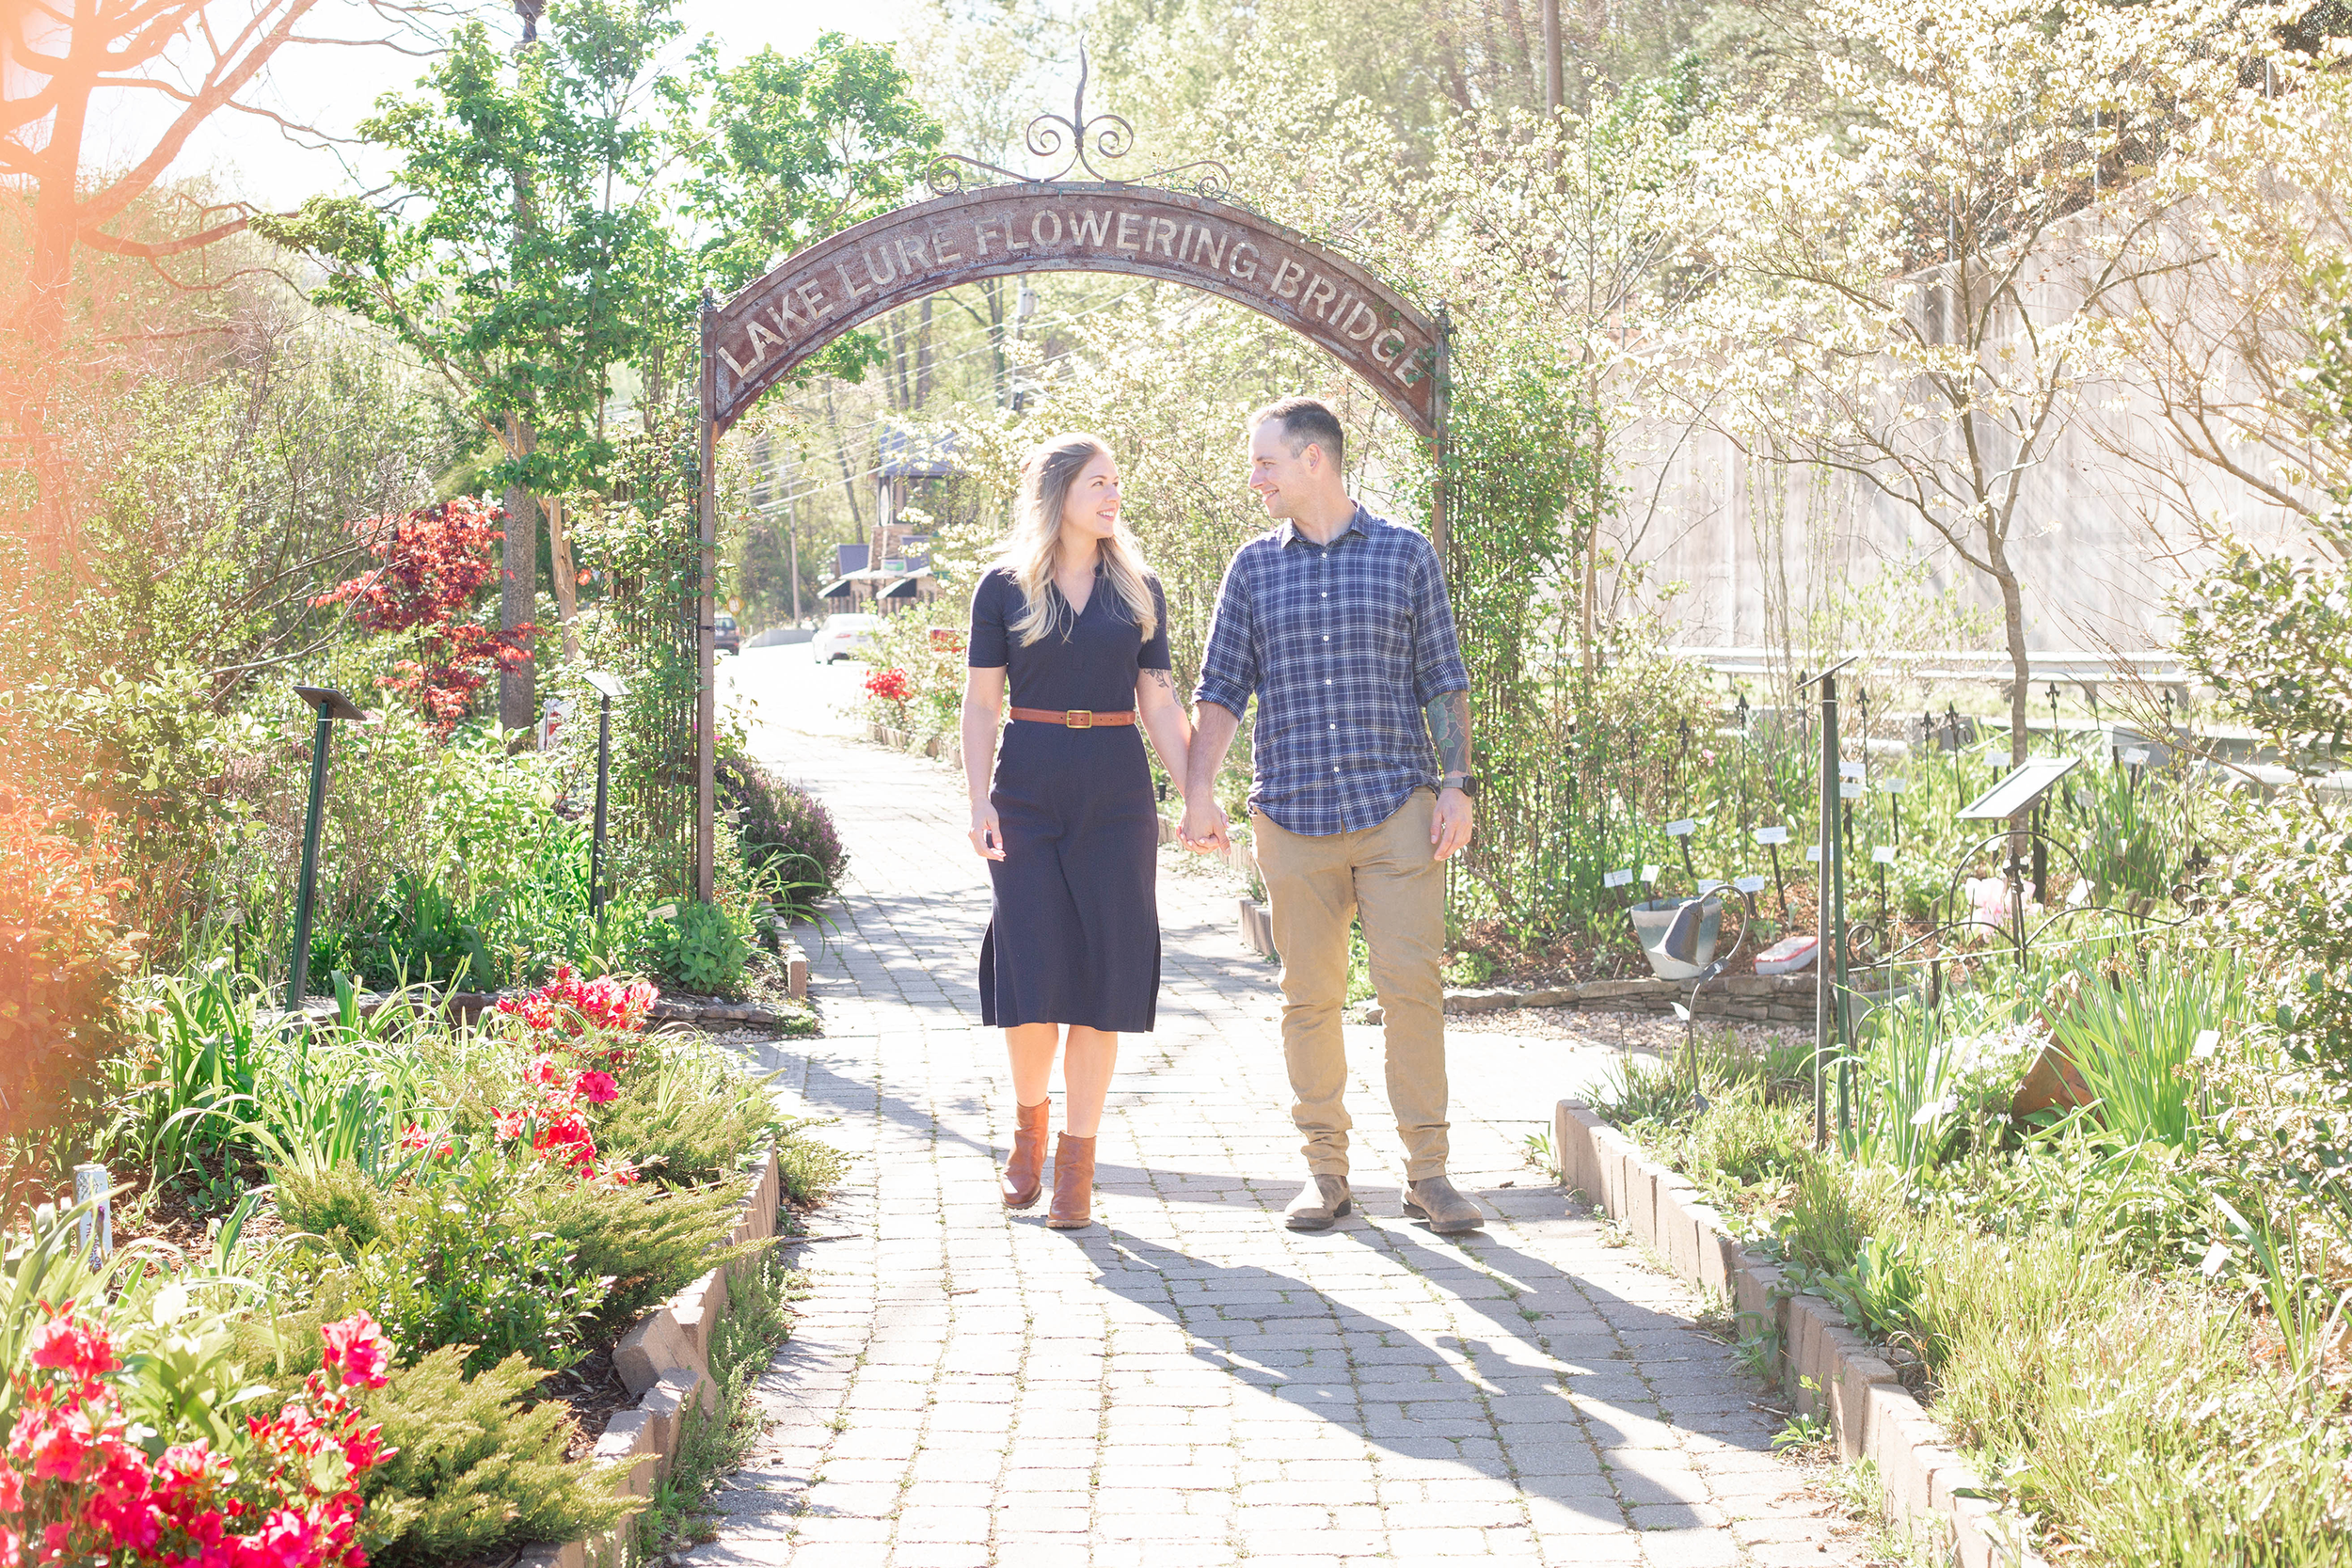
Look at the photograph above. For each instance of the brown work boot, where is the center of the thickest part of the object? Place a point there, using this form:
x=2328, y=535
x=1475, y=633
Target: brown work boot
x=1074, y=1184
x=1021, y=1180
x=1449, y=1214
x=1322, y=1201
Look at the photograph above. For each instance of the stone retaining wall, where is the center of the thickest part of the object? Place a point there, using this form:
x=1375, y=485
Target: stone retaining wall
x=1825, y=1368
x=665, y=1362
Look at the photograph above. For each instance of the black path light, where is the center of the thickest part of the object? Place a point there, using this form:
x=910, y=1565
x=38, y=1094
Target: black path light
x=607, y=687
x=1829, y=1022
x=329, y=705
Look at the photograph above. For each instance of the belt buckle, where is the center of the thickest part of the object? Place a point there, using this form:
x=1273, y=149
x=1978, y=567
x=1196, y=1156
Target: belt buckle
x=1077, y=718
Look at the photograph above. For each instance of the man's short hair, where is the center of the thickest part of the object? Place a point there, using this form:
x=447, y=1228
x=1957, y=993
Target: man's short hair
x=1306, y=420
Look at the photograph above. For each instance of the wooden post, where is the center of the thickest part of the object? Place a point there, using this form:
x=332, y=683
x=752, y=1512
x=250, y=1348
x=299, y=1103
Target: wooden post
x=1441, y=404
x=705, y=607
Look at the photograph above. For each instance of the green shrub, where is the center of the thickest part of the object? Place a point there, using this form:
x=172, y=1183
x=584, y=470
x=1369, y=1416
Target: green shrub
x=688, y=1116
x=464, y=1258
x=785, y=835
x=477, y=1469
x=341, y=1204
x=811, y=1170
x=702, y=948
x=645, y=1243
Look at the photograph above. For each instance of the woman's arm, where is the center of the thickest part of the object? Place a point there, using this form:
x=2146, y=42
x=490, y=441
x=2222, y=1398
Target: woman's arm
x=983, y=710
x=1164, y=720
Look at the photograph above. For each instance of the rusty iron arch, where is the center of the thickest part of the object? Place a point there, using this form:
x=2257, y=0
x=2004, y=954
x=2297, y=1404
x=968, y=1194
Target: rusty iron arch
x=1011, y=224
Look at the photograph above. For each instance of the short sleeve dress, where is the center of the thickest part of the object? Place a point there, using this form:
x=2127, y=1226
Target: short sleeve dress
x=1073, y=931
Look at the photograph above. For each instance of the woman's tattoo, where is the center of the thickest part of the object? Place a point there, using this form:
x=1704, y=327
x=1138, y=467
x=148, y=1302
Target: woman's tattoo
x=1449, y=728
x=1164, y=679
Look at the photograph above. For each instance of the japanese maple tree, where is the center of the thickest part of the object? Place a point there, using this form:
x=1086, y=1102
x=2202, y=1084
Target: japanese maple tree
x=431, y=566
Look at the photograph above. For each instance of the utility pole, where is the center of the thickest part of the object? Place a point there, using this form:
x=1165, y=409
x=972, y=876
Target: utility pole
x=792, y=553
x=1554, y=87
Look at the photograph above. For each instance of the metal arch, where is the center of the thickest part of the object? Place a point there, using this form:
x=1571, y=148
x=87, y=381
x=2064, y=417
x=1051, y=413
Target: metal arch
x=775, y=325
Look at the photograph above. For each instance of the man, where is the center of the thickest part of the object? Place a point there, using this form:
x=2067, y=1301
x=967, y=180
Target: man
x=1337, y=623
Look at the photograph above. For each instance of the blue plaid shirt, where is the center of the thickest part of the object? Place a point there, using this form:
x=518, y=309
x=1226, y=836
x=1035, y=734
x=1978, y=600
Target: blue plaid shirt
x=1344, y=645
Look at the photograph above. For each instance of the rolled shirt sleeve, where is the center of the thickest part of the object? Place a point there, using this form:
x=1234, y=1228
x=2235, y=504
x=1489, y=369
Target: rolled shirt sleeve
x=1438, y=667
x=1228, y=665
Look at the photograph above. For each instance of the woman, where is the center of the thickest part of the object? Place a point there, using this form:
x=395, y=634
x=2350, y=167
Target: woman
x=1075, y=624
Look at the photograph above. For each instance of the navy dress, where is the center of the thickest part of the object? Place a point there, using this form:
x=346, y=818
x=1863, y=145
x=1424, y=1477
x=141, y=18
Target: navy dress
x=1073, y=934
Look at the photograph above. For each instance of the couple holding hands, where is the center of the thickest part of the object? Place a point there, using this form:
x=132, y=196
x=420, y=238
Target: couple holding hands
x=1337, y=623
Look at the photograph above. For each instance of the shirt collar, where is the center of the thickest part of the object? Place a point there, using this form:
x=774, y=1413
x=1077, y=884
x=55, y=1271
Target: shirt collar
x=1288, y=533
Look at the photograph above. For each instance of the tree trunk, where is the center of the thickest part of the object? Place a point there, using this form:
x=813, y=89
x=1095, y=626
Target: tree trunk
x=2020, y=666
x=566, y=576
x=519, y=587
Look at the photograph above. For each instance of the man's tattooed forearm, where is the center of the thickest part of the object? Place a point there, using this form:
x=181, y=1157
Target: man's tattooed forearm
x=1449, y=728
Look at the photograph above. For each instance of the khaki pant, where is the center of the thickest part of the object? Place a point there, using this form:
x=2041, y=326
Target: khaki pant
x=1387, y=876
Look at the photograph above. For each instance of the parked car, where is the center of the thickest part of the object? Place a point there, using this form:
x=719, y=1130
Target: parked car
x=726, y=635
x=842, y=637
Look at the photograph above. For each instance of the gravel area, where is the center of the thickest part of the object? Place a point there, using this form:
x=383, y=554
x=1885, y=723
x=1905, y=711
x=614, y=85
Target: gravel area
x=1644, y=1032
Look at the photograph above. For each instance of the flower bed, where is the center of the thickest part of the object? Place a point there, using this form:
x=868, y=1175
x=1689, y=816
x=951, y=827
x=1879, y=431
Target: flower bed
x=502, y=1207
x=2122, y=1316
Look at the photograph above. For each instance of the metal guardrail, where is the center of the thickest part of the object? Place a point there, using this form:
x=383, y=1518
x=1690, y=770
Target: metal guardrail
x=2070, y=666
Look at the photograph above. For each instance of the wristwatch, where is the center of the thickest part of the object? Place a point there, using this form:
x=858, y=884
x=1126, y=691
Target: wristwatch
x=1465, y=782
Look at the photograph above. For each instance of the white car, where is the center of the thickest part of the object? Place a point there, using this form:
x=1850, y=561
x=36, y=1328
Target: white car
x=842, y=637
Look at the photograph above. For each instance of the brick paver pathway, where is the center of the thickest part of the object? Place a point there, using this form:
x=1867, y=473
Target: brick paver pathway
x=1186, y=1383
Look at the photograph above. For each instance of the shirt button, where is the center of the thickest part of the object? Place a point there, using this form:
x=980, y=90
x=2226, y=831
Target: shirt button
x=1326, y=680
x=1327, y=636
x=1335, y=726
x=1335, y=768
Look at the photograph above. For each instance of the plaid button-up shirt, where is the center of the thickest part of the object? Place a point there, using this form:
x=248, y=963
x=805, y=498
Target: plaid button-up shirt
x=1344, y=645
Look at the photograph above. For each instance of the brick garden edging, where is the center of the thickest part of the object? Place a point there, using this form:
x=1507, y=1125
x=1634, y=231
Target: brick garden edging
x=1872, y=1413
x=665, y=1362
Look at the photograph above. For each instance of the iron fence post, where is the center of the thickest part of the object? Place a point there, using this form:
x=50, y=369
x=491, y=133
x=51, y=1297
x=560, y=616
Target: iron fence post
x=595, y=844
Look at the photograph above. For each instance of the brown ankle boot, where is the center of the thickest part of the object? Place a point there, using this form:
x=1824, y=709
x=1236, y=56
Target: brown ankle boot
x=1023, y=1172
x=1074, y=1184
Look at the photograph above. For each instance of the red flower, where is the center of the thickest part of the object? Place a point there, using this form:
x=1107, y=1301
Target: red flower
x=66, y=1343
x=597, y=1088
x=356, y=1347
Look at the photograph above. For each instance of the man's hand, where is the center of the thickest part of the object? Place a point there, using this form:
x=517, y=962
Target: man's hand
x=1450, y=824
x=1203, y=827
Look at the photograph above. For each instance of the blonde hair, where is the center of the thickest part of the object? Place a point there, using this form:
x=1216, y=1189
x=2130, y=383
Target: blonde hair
x=1046, y=475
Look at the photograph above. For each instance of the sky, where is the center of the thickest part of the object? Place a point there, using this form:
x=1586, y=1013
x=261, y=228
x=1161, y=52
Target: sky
x=334, y=87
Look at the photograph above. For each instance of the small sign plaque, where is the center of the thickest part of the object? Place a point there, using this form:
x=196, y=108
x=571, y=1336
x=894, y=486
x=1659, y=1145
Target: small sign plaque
x=1708, y=884
x=1894, y=784
x=1749, y=884
x=1617, y=879
x=1683, y=829
x=1854, y=769
x=1850, y=790
x=2136, y=757
x=1649, y=873
x=1771, y=835
x=1883, y=854
x=1813, y=852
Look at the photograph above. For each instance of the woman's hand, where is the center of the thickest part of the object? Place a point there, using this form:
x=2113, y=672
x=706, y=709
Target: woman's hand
x=988, y=836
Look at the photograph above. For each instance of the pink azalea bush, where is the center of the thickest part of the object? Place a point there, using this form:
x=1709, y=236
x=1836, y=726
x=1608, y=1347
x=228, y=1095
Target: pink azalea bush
x=75, y=1487
x=574, y=1008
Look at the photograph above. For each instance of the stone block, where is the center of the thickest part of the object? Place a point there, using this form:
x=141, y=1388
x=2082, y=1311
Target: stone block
x=627, y=1444
x=1677, y=1232
x=1464, y=1000
x=1901, y=1441
x=1854, y=1369
x=1716, y=1249
x=655, y=1346
x=1755, y=1294
x=1573, y=1124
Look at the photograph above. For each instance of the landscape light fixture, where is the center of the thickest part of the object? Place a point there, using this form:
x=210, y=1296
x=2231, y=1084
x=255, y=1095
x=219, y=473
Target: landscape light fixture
x=1830, y=973
x=329, y=705
x=606, y=687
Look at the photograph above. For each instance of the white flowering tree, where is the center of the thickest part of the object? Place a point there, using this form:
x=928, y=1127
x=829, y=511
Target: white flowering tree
x=1917, y=303
x=2242, y=346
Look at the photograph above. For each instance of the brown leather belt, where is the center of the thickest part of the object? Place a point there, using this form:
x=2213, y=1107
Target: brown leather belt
x=1072, y=717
